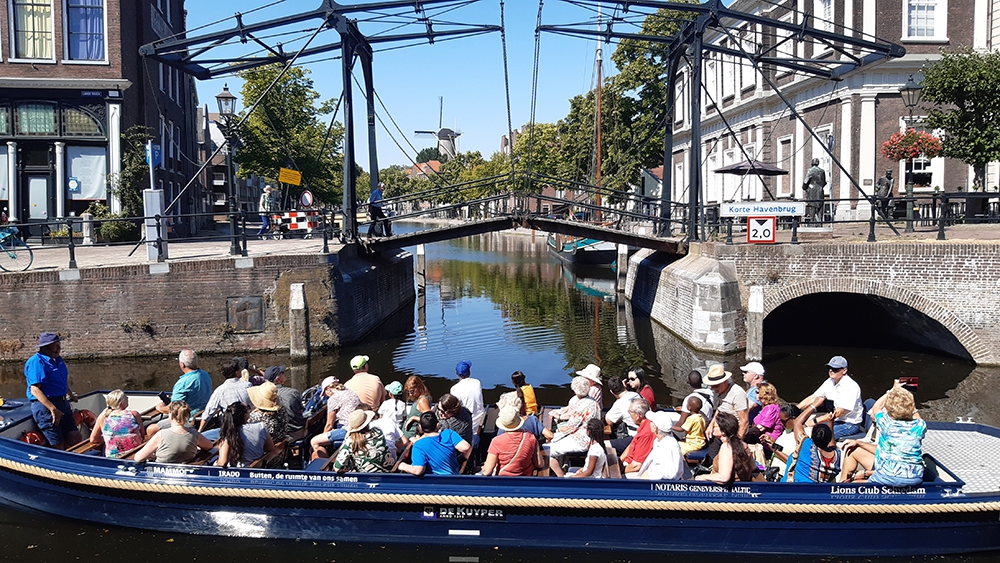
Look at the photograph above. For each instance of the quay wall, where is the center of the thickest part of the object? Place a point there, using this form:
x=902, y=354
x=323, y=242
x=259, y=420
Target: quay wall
x=211, y=305
x=716, y=298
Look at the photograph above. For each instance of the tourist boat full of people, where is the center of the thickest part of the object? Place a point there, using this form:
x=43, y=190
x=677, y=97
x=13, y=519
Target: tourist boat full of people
x=955, y=509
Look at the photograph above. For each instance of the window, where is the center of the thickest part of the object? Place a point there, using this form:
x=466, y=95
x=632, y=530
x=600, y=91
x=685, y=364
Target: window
x=160, y=65
x=728, y=76
x=925, y=20
x=78, y=122
x=85, y=30
x=748, y=73
x=32, y=23
x=824, y=15
x=37, y=118
x=711, y=82
x=680, y=101
x=170, y=83
x=785, y=161
x=89, y=166
x=784, y=42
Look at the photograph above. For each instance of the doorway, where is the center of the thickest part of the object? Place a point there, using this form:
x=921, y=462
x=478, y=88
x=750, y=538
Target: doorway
x=36, y=179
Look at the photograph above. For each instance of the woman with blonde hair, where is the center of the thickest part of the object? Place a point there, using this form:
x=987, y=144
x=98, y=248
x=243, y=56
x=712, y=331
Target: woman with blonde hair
x=897, y=459
x=420, y=398
x=768, y=420
x=119, y=428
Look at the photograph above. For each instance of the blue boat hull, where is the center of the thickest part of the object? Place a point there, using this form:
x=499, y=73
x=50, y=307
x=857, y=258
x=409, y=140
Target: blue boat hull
x=511, y=512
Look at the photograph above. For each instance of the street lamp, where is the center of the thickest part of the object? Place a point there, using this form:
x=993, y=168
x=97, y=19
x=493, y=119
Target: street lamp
x=911, y=97
x=227, y=119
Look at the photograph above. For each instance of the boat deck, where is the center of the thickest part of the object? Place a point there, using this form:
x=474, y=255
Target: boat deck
x=969, y=455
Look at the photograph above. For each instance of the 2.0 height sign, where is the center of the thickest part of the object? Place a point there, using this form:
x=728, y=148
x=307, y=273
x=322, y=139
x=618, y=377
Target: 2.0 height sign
x=761, y=230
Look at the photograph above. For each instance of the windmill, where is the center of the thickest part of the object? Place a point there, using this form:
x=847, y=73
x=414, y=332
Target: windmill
x=445, y=136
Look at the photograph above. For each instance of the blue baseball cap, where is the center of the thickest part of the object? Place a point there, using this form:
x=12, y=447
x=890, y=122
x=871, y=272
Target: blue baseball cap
x=837, y=362
x=463, y=368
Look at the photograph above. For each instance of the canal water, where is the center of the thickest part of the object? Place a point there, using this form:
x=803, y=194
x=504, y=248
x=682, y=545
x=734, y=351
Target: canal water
x=504, y=303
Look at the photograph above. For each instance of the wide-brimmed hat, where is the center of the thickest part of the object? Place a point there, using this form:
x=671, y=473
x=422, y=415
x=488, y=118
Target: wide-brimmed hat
x=358, y=420
x=753, y=367
x=273, y=372
x=394, y=388
x=330, y=380
x=509, y=419
x=837, y=362
x=716, y=375
x=358, y=362
x=591, y=372
x=46, y=338
x=268, y=189
x=264, y=396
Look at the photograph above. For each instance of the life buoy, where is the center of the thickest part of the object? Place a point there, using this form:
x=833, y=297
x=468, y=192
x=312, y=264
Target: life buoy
x=84, y=416
x=35, y=438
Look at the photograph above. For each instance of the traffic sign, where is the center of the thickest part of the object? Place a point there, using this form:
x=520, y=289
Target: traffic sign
x=289, y=176
x=776, y=208
x=154, y=156
x=761, y=230
x=306, y=199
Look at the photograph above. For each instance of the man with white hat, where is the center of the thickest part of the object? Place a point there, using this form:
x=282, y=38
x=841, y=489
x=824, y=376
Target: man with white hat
x=265, y=206
x=665, y=460
x=728, y=398
x=368, y=386
x=753, y=375
x=845, y=393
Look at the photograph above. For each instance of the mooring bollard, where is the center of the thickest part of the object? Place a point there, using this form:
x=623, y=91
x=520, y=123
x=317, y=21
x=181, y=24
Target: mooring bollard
x=298, y=321
x=72, y=247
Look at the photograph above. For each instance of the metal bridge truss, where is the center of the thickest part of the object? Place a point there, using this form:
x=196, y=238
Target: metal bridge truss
x=701, y=26
x=285, y=40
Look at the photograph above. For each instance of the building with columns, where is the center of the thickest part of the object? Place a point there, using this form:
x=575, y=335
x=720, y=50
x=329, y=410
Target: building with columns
x=852, y=117
x=71, y=82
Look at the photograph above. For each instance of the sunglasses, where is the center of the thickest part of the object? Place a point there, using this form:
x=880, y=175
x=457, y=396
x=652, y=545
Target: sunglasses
x=633, y=379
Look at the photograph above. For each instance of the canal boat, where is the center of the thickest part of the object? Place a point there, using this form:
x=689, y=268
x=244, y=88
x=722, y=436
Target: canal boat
x=583, y=251
x=956, y=510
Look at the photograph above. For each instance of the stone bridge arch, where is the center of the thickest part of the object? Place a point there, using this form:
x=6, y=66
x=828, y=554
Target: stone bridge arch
x=966, y=336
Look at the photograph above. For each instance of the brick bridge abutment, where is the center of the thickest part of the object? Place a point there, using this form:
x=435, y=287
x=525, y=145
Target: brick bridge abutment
x=717, y=297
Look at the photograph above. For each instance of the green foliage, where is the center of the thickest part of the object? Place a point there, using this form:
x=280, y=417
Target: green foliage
x=430, y=153
x=128, y=184
x=109, y=229
x=287, y=126
x=962, y=86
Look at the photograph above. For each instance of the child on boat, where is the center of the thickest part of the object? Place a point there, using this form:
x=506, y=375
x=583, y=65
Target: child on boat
x=693, y=427
x=597, y=458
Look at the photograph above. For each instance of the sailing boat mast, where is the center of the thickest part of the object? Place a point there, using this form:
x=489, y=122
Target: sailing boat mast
x=600, y=80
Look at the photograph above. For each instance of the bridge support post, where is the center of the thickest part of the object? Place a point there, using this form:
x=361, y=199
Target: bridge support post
x=421, y=269
x=755, y=324
x=298, y=321
x=622, y=270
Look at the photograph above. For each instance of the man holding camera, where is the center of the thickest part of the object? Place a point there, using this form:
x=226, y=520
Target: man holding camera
x=838, y=399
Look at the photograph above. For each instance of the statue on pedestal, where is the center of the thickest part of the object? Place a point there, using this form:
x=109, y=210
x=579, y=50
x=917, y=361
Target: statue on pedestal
x=883, y=191
x=813, y=186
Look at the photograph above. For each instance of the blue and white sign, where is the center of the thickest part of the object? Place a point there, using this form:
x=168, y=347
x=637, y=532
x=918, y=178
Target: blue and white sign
x=74, y=185
x=771, y=208
x=154, y=156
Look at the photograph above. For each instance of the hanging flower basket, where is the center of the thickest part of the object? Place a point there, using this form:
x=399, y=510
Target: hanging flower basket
x=911, y=144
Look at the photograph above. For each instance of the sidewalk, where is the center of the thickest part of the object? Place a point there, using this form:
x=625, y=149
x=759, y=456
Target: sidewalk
x=57, y=258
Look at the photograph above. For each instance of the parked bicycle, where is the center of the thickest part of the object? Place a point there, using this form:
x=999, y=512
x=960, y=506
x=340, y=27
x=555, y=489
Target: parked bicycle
x=15, y=255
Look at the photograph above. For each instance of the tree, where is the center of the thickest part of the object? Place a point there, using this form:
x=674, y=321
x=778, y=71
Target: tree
x=962, y=86
x=287, y=127
x=127, y=185
x=430, y=153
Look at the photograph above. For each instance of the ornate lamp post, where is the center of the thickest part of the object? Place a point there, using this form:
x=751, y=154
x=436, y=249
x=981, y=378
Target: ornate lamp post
x=911, y=97
x=227, y=124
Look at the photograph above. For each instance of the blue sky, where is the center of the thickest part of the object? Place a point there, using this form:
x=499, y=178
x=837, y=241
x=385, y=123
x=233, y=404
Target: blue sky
x=468, y=73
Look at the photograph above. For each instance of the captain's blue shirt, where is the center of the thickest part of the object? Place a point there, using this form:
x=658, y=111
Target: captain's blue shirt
x=49, y=374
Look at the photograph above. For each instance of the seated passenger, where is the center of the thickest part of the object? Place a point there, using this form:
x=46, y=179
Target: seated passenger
x=420, y=398
x=232, y=390
x=845, y=394
x=636, y=452
x=119, y=428
x=515, y=452
x=340, y=404
x=392, y=406
x=178, y=443
x=785, y=444
x=816, y=459
x=897, y=459
x=733, y=462
x=394, y=437
x=636, y=381
x=571, y=436
x=597, y=458
x=623, y=428
x=531, y=423
x=768, y=420
x=452, y=414
x=436, y=449
x=527, y=392
x=693, y=427
x=241, y=443
x=268, y=410
x=665, y=460
x=365, y=450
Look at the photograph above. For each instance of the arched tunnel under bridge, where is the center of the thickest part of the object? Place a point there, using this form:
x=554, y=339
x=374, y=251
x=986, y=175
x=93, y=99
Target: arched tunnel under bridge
x=853, y=320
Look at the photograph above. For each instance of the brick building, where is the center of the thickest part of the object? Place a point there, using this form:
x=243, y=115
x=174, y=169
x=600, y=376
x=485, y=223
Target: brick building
x=71, y=82
x=853, y=117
